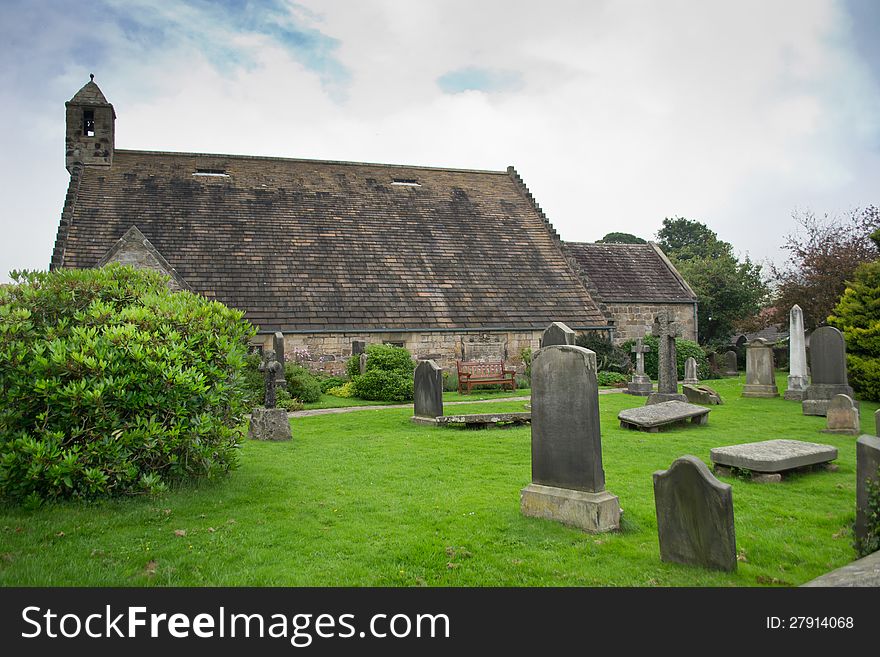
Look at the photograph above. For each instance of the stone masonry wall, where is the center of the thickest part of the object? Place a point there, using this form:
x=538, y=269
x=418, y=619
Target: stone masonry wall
x=630, y=319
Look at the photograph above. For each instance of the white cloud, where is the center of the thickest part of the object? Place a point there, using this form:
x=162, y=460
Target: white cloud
x=729, y=113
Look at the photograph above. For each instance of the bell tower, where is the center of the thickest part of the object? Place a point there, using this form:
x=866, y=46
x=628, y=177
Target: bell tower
x=90, y=128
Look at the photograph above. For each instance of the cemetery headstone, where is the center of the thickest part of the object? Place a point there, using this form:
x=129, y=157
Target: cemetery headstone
x=827, y=370
x=690, y=371
x=867, y=464
x=652, y=417
x=568, y=482
x=268, y=422
x=797, y=355
x=843, y=416
x=640, y=385
x=694, y=516
x=730, y=366
x=665, y=329
x=557, y=333
x=702, y=394
x=877, y=422
x=362, y=363
x=768, y=460
x=278, y=346
x=358, y=347
x=760, y=376
x=428, y=390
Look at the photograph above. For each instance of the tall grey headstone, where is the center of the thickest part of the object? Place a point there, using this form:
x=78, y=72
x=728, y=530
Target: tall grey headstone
x=877, y=422
x=867, y=464
x=358, y=347
x=557, y=333
x=665, y=329
x=568, y=482
x=797, y=355
x=278, y=346
x=843, y=416
x=428, y=390
x=730, y=365
x=690, y=371
x=640, y=385
x=827, y=370
x=694, y=516
x=760, y=376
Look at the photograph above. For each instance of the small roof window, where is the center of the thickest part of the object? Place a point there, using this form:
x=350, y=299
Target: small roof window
x=406, y=182
x=221, y=173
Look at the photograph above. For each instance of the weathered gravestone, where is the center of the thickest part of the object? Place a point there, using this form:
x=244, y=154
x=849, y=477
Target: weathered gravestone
x=877, y=422
x=843, y=416
x=730, y=366
x=701, y=394
x=568, y=482
x=666, y=330
x=768, y=460
x=268, y=422
x=867, y=464
x=654, y=416
x=278, y=346
x=427, y=390
x=760, y=376
x=358, y=347
x=797, y=355
x=690, y=371
x=640, y=385
x=694, y=516
x=827, y=370
x=362, y=363
x=557, y=333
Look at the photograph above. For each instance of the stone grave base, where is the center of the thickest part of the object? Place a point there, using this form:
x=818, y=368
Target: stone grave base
x=794, y=395
x=819, y=395
x=640, y=388
x=660, y=397
x=269, y=424
x=759, y=390
x=651, y=418
x=476, y=421
x=770, y=460
x=592, y=512
x=697, y=394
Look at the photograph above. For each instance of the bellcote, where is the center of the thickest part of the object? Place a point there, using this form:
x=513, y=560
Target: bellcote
x=89, y=138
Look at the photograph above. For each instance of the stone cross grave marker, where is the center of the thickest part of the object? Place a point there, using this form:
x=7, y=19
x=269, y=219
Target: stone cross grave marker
x=827, y=370
x=797, y=355
x=690, y=371
x=640, y=385
x=760, y=376
x=428, y=390
x=694, y=516
x=665, y=329
x=843, y=416
x=268, y=422
x=270, y=368
x=557, y=333
x=568, y=482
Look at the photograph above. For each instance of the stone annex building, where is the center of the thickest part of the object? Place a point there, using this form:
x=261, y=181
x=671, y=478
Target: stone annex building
x=448, y=263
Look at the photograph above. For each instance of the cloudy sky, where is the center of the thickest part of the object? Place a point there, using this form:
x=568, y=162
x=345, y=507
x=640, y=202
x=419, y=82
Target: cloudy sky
x=616, y=113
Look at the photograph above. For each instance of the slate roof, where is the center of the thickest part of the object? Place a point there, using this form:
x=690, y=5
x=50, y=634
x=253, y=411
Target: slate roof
x=318, y=246
x=90, y=94
x=632, y=273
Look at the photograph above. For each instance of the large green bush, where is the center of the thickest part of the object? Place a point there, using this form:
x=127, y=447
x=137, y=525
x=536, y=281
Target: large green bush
x=609, y=358
x=683, y=350
x=858, y=316
x=112, y=384
x=302, y=384
x=388, y=375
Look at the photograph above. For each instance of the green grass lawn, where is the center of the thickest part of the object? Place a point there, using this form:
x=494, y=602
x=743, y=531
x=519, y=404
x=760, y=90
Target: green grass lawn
x=369, y=499
x=478, y=394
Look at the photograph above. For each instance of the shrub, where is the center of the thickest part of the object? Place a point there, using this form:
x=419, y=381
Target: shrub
x=388, y=358
x=381, y=385
x=608, y=357
x=526, y=355
x=344, y=391
x=353, y=366
x=331, y=382
x=111, y=384
x=253, y=382
x=615, y=379
x=683, y=350
x=301, y=383
x=871, y=542
x=285, y=401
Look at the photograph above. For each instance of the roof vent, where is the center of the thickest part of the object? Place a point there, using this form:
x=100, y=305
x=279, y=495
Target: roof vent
x=211, y=172
x=406, y=182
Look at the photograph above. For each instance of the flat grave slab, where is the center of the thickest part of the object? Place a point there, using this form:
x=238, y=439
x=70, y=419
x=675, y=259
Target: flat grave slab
x=477, y=420
x=772, y=457
x=652, y=417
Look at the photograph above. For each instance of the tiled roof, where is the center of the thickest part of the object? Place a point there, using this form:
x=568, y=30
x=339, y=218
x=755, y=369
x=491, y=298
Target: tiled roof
x=90, y=94
x=628, y=272
x=304, y=245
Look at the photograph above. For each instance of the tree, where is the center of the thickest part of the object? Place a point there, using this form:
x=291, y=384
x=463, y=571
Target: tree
x=822, y=255
x=728, y=291
x=621, y=238
x=858, y=316
x=683, y=239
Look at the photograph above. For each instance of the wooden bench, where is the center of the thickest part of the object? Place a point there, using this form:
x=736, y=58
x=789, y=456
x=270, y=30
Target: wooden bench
x=472, y=372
